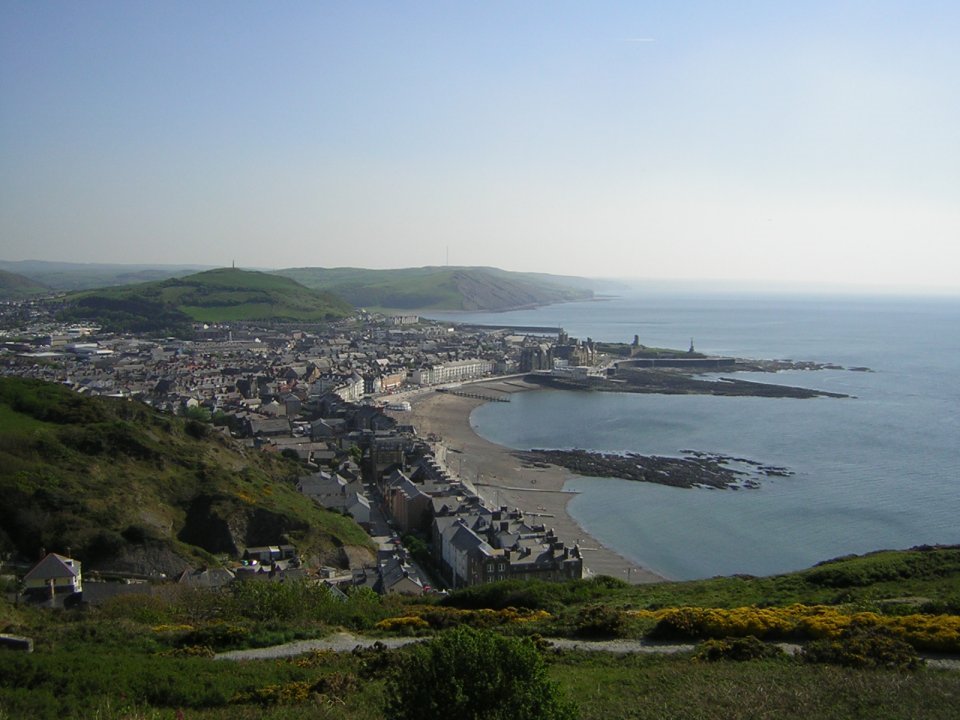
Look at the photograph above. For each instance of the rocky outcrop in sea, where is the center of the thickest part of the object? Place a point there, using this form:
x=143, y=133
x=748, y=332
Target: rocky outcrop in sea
x=697, y=469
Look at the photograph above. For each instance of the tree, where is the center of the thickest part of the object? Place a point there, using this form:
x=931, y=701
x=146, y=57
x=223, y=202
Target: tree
x=475, y=675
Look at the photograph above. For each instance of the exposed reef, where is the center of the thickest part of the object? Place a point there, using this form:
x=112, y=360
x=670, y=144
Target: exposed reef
x=698, y=469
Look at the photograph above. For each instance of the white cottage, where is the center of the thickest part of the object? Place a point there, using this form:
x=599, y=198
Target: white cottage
x=56, y=575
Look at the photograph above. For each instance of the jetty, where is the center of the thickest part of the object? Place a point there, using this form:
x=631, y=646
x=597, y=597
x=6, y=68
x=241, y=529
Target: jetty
x=475, y=395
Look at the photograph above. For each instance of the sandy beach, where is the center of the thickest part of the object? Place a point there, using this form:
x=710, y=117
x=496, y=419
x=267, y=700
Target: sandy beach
x=499, y=477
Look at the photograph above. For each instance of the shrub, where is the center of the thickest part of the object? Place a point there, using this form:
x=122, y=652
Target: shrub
x=331, y=688
x=196, y=429
x=443, y=618
x=204, y=651
x=864, y=647
x=375, y=661
x=281, y=601
x=601, y=621
x=474, y=675
x=738, y=649
x=940, y=633
x=402, y=624
x=219, y=636
x=509, y=593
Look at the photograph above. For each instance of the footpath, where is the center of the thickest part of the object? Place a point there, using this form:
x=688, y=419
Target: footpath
x=347, y=642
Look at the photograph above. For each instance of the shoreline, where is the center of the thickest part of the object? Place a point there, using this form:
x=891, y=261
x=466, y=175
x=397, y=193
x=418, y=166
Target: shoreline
x=500, y=478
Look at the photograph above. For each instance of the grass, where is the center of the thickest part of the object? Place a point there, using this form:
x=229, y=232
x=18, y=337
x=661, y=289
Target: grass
x=641, y=687
x=83, y=679
x=223, y=295
x=931, y=578
x=14, y=423
x=61, y=455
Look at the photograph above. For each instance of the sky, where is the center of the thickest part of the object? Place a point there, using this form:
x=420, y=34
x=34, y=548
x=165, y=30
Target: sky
x=767, y=141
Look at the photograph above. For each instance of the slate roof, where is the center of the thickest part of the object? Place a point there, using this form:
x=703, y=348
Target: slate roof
x=54, y=566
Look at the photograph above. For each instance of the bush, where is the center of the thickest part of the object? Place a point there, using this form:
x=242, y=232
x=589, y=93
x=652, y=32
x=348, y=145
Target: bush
x=333, y=688
x=196, y=429
x=738, y=649
x=601, y=621
x=939, y=633
x=218, y=636
x=864, y=647
x=474, y=675
x=535, y=594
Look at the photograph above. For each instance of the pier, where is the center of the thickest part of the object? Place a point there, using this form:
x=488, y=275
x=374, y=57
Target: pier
x=475, y=395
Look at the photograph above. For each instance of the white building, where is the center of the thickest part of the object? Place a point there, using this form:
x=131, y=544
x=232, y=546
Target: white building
x=54, y=574
x=454, y=371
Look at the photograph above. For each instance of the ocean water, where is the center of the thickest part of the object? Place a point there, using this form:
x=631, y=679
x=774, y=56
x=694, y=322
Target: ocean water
x=878, y=470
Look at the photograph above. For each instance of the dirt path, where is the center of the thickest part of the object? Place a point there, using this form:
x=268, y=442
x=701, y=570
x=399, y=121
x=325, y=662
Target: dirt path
x=346, y=642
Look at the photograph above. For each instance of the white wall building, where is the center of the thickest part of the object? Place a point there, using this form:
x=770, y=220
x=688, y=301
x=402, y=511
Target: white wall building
x=454, y=371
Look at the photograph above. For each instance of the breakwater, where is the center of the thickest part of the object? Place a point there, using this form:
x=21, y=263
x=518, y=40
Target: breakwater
x=670, y=381
x=534, y=329
x=687, y=363
x=475, y=395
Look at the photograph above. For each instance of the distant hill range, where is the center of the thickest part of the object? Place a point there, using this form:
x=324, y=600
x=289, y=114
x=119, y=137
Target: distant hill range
x=171, y=306
x=14, y=286
x=68, y=277
x=126, y=487
x=443, y=288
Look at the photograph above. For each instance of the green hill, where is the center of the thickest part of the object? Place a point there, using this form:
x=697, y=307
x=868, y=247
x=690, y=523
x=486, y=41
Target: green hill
x=123, y=486
x=223, y=295
x=442, y=288
x=16, y=287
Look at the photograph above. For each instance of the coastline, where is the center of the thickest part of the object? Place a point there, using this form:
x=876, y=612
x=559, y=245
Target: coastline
x=500, y=477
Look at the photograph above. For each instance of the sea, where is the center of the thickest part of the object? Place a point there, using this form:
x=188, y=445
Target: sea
x=877, y=470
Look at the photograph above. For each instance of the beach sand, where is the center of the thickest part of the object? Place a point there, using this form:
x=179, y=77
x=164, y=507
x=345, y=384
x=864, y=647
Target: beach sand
x=499, y=477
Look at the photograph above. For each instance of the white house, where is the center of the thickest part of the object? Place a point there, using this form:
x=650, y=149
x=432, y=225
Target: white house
x=55, y=574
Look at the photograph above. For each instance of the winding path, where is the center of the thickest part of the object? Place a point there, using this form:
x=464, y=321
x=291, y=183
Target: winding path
x=346, y=642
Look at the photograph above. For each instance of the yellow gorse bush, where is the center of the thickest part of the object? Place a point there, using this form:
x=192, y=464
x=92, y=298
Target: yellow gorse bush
x=171, y=628
x=399, y=623
x=442, y=617
x=924, y=632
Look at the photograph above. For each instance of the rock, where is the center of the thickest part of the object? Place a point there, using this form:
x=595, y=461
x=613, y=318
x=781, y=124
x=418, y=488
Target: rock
x=703, y=469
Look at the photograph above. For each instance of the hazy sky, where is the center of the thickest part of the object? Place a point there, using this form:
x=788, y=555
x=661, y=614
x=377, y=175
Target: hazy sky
x=783, y=141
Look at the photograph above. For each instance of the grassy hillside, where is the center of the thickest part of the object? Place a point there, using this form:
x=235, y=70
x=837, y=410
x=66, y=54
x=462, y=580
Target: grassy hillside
x=223, y=295
x=15, y=287
x=121, y=485
x=441, y=288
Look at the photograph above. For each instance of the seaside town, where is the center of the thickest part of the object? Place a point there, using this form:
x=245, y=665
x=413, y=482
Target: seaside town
x=540, y=361
x=337, y=399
